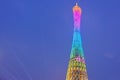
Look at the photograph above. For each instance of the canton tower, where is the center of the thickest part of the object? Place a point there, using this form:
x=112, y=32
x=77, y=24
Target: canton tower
x=77, y=67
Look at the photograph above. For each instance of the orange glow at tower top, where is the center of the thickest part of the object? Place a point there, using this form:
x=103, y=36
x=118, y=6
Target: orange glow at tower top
x=77, y=8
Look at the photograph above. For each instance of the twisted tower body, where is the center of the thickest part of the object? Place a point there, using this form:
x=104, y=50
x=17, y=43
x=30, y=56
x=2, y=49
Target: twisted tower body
x=77, y=68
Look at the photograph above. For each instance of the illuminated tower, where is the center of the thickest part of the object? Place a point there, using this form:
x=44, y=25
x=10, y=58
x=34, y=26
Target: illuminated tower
x=77, y=68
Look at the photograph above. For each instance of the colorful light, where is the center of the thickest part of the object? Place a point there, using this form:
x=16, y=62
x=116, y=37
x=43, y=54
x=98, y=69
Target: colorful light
x=77, y=16
x=77, y=68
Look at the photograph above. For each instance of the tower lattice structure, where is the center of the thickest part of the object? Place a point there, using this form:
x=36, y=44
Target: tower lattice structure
x=77, y=67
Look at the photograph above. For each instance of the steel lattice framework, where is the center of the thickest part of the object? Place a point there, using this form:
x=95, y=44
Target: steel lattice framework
x=77, y=67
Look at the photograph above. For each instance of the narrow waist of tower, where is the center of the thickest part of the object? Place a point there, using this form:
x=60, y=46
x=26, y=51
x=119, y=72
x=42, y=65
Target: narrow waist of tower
x=77, y=49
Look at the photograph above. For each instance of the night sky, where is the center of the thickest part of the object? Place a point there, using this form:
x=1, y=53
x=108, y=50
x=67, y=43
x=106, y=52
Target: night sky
x=36, y=38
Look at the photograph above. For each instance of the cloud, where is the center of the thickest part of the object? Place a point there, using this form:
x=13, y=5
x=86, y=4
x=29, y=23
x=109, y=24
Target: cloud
x=109, y=55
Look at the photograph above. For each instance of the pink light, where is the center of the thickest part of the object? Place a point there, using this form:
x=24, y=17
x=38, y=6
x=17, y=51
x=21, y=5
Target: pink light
x=77, y=16
x=78, y=59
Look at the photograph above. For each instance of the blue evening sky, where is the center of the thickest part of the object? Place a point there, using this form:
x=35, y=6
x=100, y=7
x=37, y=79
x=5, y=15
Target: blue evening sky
x=36, y=38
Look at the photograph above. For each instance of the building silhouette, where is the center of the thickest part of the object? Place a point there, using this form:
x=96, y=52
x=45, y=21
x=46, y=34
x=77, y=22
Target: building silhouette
x=77, y=67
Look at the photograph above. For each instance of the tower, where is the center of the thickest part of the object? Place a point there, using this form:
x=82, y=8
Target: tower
x=77, y=67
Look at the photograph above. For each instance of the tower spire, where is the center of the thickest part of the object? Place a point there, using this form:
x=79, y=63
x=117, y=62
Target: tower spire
x=76, y=4
x=77, y=66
